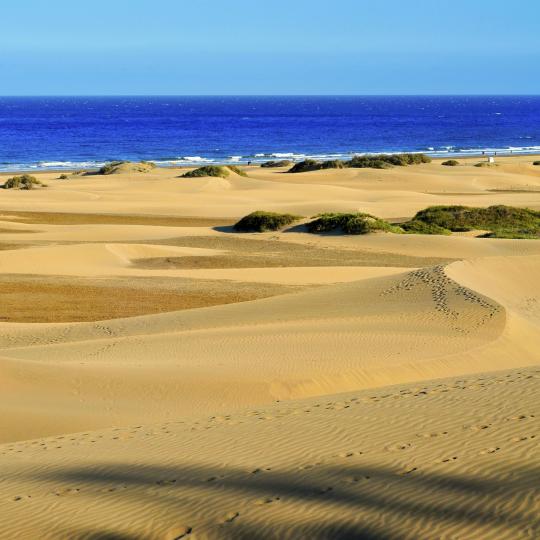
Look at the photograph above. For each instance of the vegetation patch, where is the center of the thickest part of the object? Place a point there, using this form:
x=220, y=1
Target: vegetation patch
x=306, y=166
x=369, y=162
x=117, y=167
x=536, y=162
x=382, y=161
x=485, y=164
x=278, y=163
x=208, y=170
x=416, y=226
x=261, y=221
x=24, y=181
x=450, y=163
x=501, y=221
x=357, y=223
x=63, y=177
x=237, y=170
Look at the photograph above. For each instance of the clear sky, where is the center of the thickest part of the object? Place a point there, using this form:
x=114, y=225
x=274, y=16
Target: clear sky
x=269, y=47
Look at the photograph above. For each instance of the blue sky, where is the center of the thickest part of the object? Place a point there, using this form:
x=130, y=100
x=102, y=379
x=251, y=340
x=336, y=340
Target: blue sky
x=275, y=47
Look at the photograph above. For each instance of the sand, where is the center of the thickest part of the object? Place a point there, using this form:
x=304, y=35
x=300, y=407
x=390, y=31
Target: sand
x=165, y=377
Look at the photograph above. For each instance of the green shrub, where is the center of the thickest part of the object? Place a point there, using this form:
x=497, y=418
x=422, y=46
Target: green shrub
x=384, y=161
x=368, y=162
x=261, y=221
x=358, y=223
x=536, y=162
x=125, y=166
x=305, y=166
x=208, y=170
x=312, y=165
x=485, y=164
x=420, y=227
x=63, y=177
x=108, y=168
x=280, y=163
x=237, y=170
x=502, y=221
x=450, y=163
x=333, y=164
x=24, y=181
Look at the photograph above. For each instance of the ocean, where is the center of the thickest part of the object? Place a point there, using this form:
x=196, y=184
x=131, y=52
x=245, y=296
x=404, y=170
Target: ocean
x=39, y=133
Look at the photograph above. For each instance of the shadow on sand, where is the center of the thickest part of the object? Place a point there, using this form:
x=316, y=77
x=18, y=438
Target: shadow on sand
x=353, y=502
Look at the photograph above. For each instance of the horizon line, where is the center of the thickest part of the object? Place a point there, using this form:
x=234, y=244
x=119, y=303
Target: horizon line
x=261, y=95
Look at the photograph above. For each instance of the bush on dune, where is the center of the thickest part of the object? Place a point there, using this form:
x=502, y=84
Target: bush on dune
x=382, y=161
x=502, y=221
x=420, y=227
x=305, y=166
x=279, y=163
x=261, y=221
x=369, y=162
x=450, y=163
x=115, y=167
x=357, y=223
x=24, y=181
x=208, y=170
x=237, y=170
x=312, y=165
x=333, y=164
x=485, y=164
x=536, y=162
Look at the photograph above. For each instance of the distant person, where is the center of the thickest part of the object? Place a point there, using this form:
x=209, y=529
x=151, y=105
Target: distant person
x=249, y=163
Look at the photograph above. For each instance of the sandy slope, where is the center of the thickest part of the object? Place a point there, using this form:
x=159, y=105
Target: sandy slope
x=454, y=458
x=240, y=424
x=395, y=192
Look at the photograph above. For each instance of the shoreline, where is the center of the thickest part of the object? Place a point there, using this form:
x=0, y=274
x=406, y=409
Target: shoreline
x=255, y=163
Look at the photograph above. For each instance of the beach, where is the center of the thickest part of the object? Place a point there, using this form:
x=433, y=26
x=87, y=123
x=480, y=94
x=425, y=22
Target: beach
x=165, y=376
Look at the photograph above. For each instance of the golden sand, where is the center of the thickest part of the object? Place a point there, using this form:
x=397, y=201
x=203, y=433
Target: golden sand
x=164, y=377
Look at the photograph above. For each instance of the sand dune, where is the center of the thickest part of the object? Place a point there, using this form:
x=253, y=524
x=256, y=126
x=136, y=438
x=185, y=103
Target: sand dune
x=455, y=458
x=362, y=334
x=223, y=385
x=389, y=193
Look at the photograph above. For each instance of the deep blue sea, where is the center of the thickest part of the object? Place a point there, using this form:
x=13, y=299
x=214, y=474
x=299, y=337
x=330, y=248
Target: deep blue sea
x=73, y=132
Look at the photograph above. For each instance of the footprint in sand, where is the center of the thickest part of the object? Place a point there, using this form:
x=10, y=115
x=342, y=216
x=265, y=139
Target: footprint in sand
x=520, y=417
x=447, y=460
x=166, y=482
x=230, y=517
x=258, y=471
x=431, y=435
x=399, y=446
x=523, y=438
x=356, y=479
x=68, y=491
x=491, y=450
x=408, y=471
x=21, y=497
x=178, y=533
x=349, y=454
x=215, y=478
x=266, y=500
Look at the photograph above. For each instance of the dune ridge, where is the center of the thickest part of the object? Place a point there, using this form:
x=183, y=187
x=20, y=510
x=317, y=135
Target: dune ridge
x=272, y=385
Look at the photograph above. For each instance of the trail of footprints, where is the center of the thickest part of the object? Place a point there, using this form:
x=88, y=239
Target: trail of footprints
x=119, y=434
x=441, y=287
